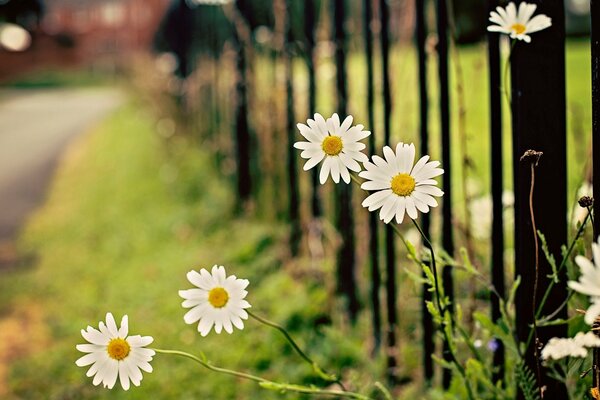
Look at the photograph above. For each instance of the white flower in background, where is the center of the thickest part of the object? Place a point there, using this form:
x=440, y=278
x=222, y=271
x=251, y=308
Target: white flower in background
x=482, y=210
x=112, y=353
x=218, y=300
x=589, y=282
x=518, y=24
x=558, y=348
x=337, y=145
x=401, y=186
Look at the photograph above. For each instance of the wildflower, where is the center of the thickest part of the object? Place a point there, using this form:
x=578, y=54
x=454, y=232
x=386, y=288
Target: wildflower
x=518, y=24
x=218, y=300
x=337, y=145
x=400, y=186
x=558, y=348
x=112, y=353
x=589, y=282
x=586, y=201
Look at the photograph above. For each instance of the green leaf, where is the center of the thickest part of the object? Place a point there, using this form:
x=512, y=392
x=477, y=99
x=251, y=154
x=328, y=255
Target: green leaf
x=549, y=257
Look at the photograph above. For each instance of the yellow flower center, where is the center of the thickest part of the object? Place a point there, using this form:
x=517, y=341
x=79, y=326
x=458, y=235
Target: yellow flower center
x=218, y=297
x=518, y=28
x=118, y=349
x=403, y=184
x=332, y=145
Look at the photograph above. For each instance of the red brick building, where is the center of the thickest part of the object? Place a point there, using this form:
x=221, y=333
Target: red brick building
x=82, y=32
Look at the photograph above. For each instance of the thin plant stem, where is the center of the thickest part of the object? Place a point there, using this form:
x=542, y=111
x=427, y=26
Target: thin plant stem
x=442, y=310
x=562, y=265
x=318, y=370
x=505, y=90
x=535, y=281
x=433, y=267
x=265, y=383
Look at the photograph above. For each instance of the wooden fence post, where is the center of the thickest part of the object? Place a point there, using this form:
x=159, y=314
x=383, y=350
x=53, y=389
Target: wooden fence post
x=292, y=164
x=390, y=236
x=373, y=220
x=426, y=320
x=595, y=44
x=242, y=129
x=447, y=235
x=539, y=123
x=310, y=22
x=497, y=237
x=346, y=260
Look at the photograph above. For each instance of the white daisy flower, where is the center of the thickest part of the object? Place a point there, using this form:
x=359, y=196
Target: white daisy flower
x=337, y=144
x=518, y=24
x=401, y=186
x=218, y=300
x=112, y=353
x=589, y=282
x=558, y=348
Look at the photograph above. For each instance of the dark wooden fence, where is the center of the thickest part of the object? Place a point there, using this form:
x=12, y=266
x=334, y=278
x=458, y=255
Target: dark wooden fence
x=538, y=123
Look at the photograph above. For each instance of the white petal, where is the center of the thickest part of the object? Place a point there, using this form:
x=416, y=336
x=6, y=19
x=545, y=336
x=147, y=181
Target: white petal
x=411, y=210
x=92, y=335
x=88, y=359
x=124, y=376
x=111, y=375
x=325, y=169
x=111, y=325
x=592, y=312
x=431, y=190
x=538, y=23
x=124, y=329
x=335, y=169
x=346, y=124
x=400, y=209
x=314, y=161
x=376, y=198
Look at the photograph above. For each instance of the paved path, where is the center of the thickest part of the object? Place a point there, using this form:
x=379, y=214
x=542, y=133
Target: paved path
x=35, y=127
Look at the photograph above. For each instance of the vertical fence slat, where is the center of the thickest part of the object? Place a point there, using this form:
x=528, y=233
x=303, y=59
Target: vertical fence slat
x=310, y=18
x=539, y=123
x=426, y=320
x=373, y=220
x=497, y=238
x=346, y=261
x=447, y=236
x=242, y=129
x=595, y=47
x=294, y=191
x=390, y=249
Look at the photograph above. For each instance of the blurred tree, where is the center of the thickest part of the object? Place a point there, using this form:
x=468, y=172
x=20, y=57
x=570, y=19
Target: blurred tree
x=27, y=13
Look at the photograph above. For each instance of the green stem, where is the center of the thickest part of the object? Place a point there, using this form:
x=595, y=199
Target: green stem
x=504, y=89
x=433, y=267
x=318, y=370
x=441, y=309
x=563, y=263
x=265, y=383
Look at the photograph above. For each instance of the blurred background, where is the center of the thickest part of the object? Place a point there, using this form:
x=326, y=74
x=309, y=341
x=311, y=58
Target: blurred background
x=142, y=138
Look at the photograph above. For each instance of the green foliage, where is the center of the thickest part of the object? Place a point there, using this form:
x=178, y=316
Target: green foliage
x=527, y=383
x=549, y=257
